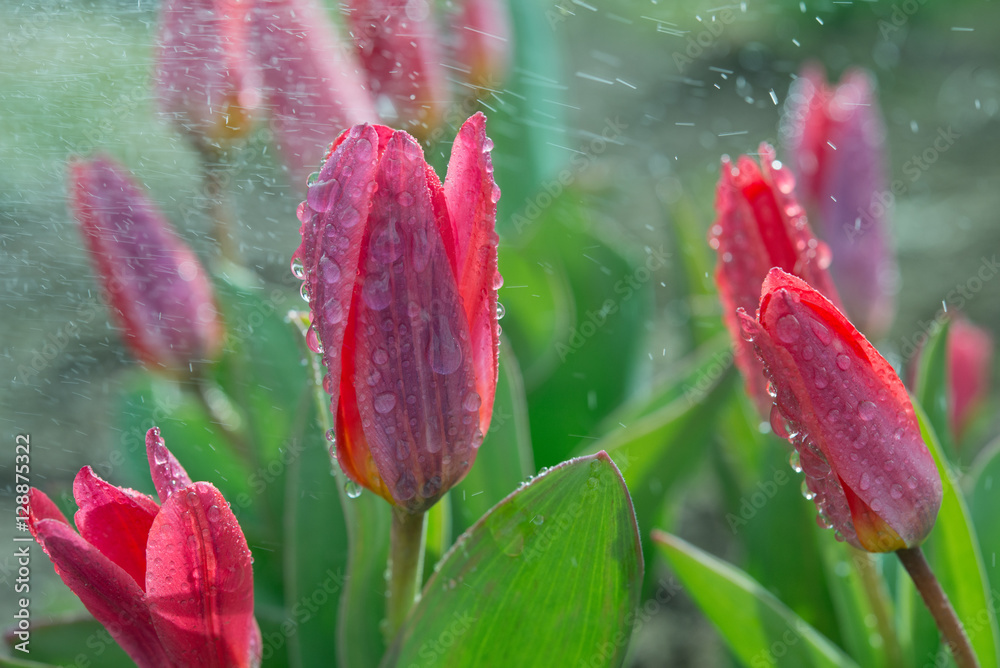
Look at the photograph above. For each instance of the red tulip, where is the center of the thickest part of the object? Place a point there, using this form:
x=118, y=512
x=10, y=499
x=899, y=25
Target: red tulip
x=401, y=275
x=155, y=285
x=171, y=583
x=398, y=45
x=970, y=358
x=205, y=79
x=849, y=417
x=312, y=84
x=482, y=29
x=837, y=143
x=760, y=225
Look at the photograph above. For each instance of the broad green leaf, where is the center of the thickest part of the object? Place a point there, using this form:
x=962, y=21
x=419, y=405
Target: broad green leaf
x=6, y=662
x=549, y=577
x=73, y=641
x=953, y=552
x=984, y=500
x=504, y=458
x=931, y=386
x=760, y=629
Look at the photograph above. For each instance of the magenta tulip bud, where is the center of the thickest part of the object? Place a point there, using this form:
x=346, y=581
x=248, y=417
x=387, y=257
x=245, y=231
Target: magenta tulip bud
x=483, y=34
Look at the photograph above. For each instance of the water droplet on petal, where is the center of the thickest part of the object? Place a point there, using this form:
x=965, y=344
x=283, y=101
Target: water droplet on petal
x=866, y=481
x=822, y=332
x=160, y=455
x=331, y=435
x=843, y=362
x=405, y=199
x=896, y=491
x=352, y=489
x=472, y=402
x=788, y=329
x=380, y=356
x=329, y=270
x=321, y=195
x=807, y=353
x=806, y=492
x=444, y=354
x=867, y=410
x=385, y=402
x=495, y=194
x=213, y=513
x=821, y=378
x=298, y=269
x=304, y=292
x=375, y=291
x=794, y=461
x=778, y=424
x=501, y=311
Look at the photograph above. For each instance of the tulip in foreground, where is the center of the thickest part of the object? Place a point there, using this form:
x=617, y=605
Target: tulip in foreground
x=760, y=225
x=837, y=143
x=171, y=583
x=401, y=276
x=848, y=416
x=155, y=286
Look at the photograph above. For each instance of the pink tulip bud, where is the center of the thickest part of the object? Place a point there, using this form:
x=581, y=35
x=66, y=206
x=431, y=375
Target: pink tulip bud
x=483, y=33
x=760, y=225
x=849, y=417
x=970, y=358
x=314, y=87
x=401, y=275
x=206, y=81
x=155, y=286
x=171, y=583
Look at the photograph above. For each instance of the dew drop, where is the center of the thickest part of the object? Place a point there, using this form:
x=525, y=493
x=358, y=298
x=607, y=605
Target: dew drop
x=843, y=362
x=352, y=489
x=778, y=424
x=192, y=499
x=806, y=492
x=794, y=461
x=380, y=356
x=472, y=402
x=304, y=292
x=807, y=353
x=444, y=354
x=160, y=455
x=402, y=451
x=788, y=329
x=866, y=481
x=867, y=410
x=495, y=194
x=911, y=482
x=298, y=269
x=329, y=270
x=405, y=198
x=213, y=513
x=771, y=391
x=386, y=246
x=312, y=340
x=501, y=311
x=406, y=487
x=385, y=402
x=821, y=378
x=321, y=195
x=375, y=291
x=822, y=332
x=896, y=491
x=331, y=435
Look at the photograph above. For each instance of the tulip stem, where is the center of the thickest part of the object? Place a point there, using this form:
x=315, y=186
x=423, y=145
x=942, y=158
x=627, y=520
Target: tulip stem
x=940, y=607
x=407, y=541
x=220, y=210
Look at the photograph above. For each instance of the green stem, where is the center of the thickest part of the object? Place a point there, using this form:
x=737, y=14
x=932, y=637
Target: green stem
x=940, y=607
x=227, y=416
x=215, y=176
x=406, y=566
x=875, y=590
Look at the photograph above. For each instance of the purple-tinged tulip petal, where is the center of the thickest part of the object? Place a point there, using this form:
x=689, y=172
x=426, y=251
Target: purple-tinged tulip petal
x=398, y=47
x=167, y=473
x=116, y=521
x=837, y=143
x=206, y=81
x=848, y=416
x=482, y=28
x=313, y=85
x=105, y=589
x=157, y=289
x=760, y=225
x=199, y=582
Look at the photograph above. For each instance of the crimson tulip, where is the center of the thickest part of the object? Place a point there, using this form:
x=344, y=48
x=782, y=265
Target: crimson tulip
x=313, y=85
x=837, y=144
x=401, y=276
x=171, y=583
x=206, y=80
x=397, y=43
x=849, y=417
x=760, y=225
x=156, y=288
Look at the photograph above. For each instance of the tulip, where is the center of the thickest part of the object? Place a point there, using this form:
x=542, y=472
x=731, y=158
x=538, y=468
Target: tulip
x=849, y=417
x=171, y=583
x=401, y=276
x=313, y=86
x=398, y=46
x=970, y=358
x=837, y=143
x=155, y=286
x=482, y=29
x=760, y=225
x=206, y=81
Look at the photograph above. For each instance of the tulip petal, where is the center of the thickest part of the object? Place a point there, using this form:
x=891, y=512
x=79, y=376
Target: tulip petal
x=167, y=473
x=844, y=399
x=413, y=375
x=314, y=86
x=472, y=195
x=199, y=584
x=106, y=590
x=41, y=507
x=116, y=521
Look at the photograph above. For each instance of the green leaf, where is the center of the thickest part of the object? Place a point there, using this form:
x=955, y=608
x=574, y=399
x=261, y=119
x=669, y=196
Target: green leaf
x=953, y=552
x=931, y=385
x=72, y=641
x=984, y=500
x=550, y=576
x=760, y=629
x=504, y=458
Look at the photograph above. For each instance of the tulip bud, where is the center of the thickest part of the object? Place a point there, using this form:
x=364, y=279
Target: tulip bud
x=482, y=30
x=313, y=85
x=760, y=225
x=398, y=46
x=401, y=276
x=171, y=583
x=970, y=358
x=837, y=142
x=155, y=286
x=849, y=417
x=206, y=81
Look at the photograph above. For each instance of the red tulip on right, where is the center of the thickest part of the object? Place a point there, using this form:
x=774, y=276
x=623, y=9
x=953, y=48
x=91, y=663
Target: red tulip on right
x=849, y=417
x=970, y=358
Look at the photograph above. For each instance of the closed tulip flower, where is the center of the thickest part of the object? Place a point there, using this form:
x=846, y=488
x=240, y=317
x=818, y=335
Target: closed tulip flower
x=760, y=225
x=401, y=276
x=849, y=417
x=170, y=581
x=482, y=30
x=970, y=359
x=156, y=288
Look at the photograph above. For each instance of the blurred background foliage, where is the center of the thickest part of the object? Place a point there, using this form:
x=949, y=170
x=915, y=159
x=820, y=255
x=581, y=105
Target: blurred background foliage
x=607, y=229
